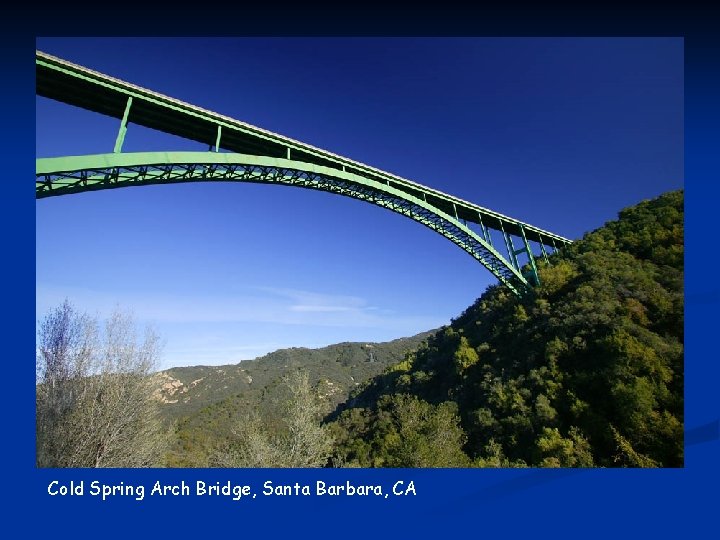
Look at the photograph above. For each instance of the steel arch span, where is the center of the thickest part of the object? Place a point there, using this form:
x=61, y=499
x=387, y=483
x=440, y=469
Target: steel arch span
x=259, y=156
x=58, y=176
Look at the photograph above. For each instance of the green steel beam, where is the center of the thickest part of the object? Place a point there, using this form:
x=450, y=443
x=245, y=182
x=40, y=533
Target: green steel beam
x=544, y=253
x=217, y=141
x=123, y=127
x=484, y=229
x=531, y=257
x=76, y=174
x=510, y=248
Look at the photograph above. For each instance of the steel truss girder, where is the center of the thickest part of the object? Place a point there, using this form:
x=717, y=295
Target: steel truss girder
x=67, y=175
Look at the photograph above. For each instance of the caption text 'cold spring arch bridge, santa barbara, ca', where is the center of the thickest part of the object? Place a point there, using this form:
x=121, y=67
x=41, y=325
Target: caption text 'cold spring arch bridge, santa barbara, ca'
x=252, y=154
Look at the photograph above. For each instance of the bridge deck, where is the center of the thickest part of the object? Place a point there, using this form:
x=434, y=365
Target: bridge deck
x=76, y=85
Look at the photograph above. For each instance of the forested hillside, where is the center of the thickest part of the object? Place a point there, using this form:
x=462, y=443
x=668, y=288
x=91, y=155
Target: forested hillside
x=586, y=372
x=208, y=402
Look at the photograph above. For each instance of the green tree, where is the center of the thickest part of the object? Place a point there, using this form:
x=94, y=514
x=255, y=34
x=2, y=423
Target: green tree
x=558, y=451
x=403, y=432
x=465, y=356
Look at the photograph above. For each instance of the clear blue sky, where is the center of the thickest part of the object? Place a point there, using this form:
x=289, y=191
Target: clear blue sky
x=560, y=133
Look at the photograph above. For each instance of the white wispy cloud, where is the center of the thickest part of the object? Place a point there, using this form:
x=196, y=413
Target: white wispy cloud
x=319, y=309
x=261, y=305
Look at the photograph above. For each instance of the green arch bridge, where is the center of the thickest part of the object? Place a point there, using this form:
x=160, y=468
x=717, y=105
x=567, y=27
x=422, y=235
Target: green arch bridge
x=252, y=154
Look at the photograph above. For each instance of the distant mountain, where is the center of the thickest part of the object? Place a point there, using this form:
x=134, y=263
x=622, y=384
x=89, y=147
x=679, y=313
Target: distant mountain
x=205, y=400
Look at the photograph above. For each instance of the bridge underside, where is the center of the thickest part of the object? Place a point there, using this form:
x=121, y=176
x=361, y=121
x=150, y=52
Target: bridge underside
x=257, y=155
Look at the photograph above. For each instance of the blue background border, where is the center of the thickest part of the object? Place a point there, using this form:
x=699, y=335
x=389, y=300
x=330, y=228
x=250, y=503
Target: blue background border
x=557, y=503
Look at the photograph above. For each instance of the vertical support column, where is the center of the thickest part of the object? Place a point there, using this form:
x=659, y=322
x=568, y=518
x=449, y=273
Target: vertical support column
x=530, y=255
x=123, y=127
x=510, y=248
x=217, y=141
x=484, y=229
x=288, y=152
x=544, y=253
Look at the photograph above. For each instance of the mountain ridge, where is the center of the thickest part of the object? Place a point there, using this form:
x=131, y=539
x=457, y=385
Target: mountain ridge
x=203, y=401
